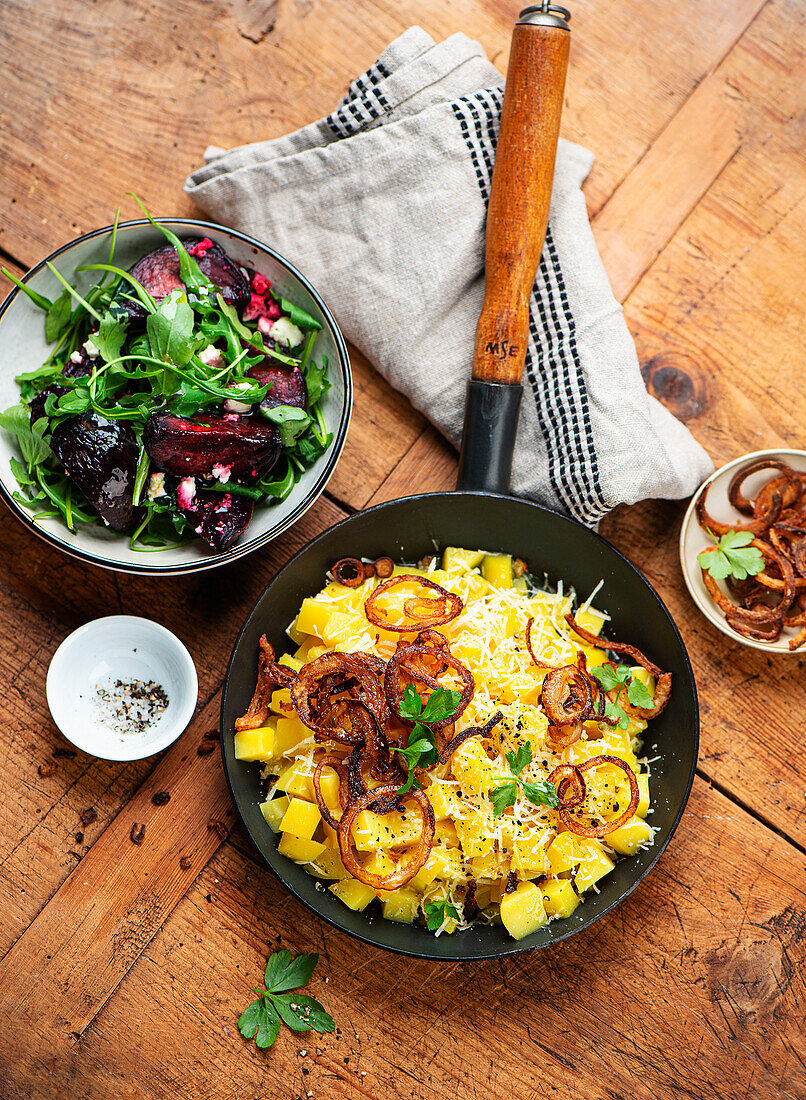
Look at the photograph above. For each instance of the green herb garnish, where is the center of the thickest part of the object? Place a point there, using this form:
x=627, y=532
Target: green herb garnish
x=275, y=1005
x=420, y=750
x=733, y=556
x=610, y=676
x=437, y=912
x=505, y=794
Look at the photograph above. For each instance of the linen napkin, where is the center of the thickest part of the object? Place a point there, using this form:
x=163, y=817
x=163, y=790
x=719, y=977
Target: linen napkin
x=382, y=205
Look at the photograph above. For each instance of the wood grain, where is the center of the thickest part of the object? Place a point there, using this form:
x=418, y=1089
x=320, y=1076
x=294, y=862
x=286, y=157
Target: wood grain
x=520, y=196
x=693, y=988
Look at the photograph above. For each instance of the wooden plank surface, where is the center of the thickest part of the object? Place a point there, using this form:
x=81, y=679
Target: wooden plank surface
x=693, y=987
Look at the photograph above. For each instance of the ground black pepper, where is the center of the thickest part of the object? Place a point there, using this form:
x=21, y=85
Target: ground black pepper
x=130, y=706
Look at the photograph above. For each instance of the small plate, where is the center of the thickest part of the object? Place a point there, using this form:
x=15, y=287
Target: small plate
x=693, y=539
x=125, y=649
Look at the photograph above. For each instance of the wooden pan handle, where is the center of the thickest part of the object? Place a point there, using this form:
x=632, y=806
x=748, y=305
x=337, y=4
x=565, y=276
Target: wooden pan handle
x=518, y=210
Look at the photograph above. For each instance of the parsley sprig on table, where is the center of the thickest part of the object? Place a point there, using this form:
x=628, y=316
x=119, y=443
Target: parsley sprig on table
x=420, y=750
x=732, y=557
x=275, y=1005
x=437, y=912
x=505, y=795
x=612, y=676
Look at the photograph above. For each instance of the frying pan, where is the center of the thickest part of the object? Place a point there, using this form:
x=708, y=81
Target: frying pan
x=481, y=515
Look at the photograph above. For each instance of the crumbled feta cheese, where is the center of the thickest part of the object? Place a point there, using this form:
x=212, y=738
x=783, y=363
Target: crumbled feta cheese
x=156, y=486
x=75, y=357
x=285, y=332
x=233, y=406
x=186, y=491
x=90, y=348
x=211, y=356
x=222, y=472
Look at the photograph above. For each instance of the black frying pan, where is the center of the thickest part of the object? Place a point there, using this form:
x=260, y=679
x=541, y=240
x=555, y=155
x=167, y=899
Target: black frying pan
x=411, y=528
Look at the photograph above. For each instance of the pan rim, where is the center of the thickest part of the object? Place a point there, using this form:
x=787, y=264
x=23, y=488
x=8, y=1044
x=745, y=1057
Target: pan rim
x=517, y=946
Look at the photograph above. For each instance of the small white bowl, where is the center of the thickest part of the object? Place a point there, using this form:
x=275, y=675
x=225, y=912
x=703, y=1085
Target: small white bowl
x=693, y=539
x=121, y=648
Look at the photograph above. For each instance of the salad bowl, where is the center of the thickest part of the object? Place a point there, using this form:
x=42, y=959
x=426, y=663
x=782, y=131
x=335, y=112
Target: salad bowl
x=24, y=348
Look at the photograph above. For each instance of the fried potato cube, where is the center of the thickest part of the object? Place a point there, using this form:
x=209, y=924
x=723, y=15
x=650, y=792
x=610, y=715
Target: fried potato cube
x=256, y=744
x=444, y=801
x=294, y=780
x=355, y=895
x=344, y=627
x=594, y=864
x=290, y=662
x=523, y=911
x=453, y=557
x=475, y=842
x=313, y=617
x=559, y=897
x=301, y=851
x=445, y=833
x=529, y=856
x=630, y=837
x=497, y=570
x=288, y=734
x=473, y=769
x=281, y=703
x=301, y=819
x=329, y=866
x=273, y=810
x=642, y=809
x=590, y=620
x=393, y=830
x=562, y=853
x=401, y=905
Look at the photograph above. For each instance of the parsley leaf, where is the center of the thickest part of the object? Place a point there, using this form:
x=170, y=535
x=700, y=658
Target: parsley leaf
x=609, y=676
x=732, y=557
x=441, y=704
x=504, y=796
x=617, y=713
x=542, y=793
x=420, y=750
x=520, y=759
x=638, y=694
x=437, y=912
x=274, y=1004
x=411, y=705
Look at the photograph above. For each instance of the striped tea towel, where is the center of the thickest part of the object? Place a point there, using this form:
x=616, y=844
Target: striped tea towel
x=382, y=205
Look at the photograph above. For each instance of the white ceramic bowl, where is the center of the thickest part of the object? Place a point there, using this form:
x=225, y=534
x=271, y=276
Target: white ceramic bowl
x=120, y=648
x=693, y=539
x=23, y=348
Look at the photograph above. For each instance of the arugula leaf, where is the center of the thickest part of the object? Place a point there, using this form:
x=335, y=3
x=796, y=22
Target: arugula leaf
x=262, y=1019
x=110, y=338
x=639, y=694
x=504, y=796
x=74, y=402
x=58, y=317
x=37, y=298
x=520, y=759
x=316, y=380
x=33, y=447
x=732, y=557
x=437, y=912
x=542, y=793
x=291, y=421
x=284, y=972
x=170, y=330
x=296, y=314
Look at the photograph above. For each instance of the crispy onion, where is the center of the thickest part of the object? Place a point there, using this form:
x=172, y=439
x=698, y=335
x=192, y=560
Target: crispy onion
x=536, y=660
x=606, y=827
x=756, y=526
x=419, y=612
x=567, y=777
x=663, y=680
x=349, y=572
x=270, y=676
x=340, y=768
x=757, y=620
x=386, y=796
x=384, y=567
x=340, y=678
x=735, y=495
x=472, y=731
x=415, y=664
x=567, y=696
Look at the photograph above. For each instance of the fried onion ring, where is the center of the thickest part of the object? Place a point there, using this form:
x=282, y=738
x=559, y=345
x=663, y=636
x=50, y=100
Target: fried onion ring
x=735, y=495
x=349, y=572
x=472, y=731
x=270, y=676
x=420, y=612
x=399, y=666
x=605, y=827
x=332, y=674
x=756, y=526
x=386, y=795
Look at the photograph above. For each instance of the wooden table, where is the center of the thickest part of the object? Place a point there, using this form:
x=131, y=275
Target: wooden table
x=124, y=974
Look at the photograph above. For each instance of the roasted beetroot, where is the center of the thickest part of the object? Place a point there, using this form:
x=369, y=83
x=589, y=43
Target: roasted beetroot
x=218, y=518
x=241, y=447
x=287, y=384
x=158, y=272
x=100, y=456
